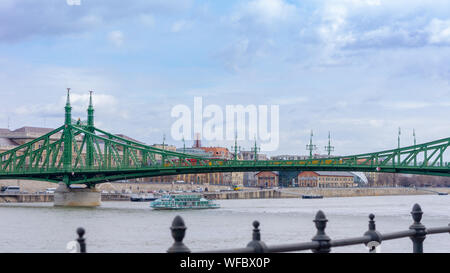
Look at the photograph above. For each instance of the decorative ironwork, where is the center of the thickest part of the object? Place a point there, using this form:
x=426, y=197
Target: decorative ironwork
x=78, y=153
x=321, y=243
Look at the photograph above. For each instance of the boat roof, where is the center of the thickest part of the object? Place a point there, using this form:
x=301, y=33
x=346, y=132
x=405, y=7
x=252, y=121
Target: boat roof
x=188, y=196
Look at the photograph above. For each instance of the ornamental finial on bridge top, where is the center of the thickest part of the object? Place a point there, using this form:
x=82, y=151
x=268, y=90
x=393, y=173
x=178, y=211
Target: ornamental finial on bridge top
x=329, y=148
x=68, y=97
x=90, y=111
x=311, y=147
x=68, y=109
x=90, y=98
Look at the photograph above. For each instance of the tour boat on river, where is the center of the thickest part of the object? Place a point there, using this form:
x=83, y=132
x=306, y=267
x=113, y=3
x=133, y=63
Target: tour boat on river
x=175, y=202
x=142, y=198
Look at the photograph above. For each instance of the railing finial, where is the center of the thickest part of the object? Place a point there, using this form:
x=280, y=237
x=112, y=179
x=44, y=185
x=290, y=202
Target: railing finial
x=421, y=231
x=256, y=231
x=371, y=221
x=375, y=236
x=256, y=243
x=417, y=213
x=178, y=229
x=321, y=237
x=81, y=240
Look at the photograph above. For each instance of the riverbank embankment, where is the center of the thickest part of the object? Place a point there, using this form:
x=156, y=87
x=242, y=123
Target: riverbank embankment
x=325, y=192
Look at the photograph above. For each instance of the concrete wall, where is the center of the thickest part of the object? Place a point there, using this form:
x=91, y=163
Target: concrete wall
x=145, y=187
x=351, y=192
x=326, y=192
x=262, y=194
x=26, y=198
x=32, y=186
x=76, y=197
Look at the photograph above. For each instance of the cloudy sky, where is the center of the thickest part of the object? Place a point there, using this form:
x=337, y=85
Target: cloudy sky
x=357, y=68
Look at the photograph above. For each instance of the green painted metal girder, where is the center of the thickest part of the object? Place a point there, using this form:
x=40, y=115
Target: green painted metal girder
x=77, y=153
x=127, y=159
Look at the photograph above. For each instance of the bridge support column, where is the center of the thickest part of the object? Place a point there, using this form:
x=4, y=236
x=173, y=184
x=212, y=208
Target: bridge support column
x=76, y=197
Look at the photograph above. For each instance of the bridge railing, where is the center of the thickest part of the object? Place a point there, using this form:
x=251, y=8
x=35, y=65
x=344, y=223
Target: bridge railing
x=320, y=243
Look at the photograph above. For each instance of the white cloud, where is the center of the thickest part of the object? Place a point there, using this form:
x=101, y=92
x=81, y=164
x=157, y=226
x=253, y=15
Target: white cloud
x=405, y=105
x=147, y=19
x=358, y=122
x=290, y=101
x=116, y=37
x=56, y=18
x=385, y=24
x=237, y=56
x=387, y=68
x=79, y=102
x=269, y=10
x=265, y=11
x=180, y=25
x=358, y=2
x=439, y=31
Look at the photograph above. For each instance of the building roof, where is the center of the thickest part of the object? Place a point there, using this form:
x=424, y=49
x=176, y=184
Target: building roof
x=194, y=151
x=324, y=173
x=4, y=130
x=125, y=137
x=4, y=141
x=216, y=151
x=274, y=172
x=33, y=130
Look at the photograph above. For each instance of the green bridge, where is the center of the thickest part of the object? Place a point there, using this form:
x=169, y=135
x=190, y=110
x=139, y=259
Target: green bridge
x=79, y=153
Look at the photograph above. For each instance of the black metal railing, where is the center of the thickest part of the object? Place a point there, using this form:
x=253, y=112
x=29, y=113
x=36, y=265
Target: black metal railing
x=320, y=243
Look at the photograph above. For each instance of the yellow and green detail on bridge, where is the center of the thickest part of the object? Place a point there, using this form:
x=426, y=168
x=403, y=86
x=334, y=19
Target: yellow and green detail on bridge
x=79, y=153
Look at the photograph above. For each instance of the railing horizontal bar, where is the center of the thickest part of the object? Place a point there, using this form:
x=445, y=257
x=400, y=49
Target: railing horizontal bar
x=438, y=230
x=231, y=250
x=333, y=243
x=397, y=235
x=293, y=247
x=350, y=241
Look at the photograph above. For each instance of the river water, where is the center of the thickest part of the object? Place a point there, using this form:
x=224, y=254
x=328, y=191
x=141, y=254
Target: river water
x=135, y=227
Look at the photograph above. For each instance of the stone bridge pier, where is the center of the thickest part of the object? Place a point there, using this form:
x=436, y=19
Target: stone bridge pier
x=76, y=197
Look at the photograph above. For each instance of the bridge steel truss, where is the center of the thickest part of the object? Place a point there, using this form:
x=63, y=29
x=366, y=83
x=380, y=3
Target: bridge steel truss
x=78, y=153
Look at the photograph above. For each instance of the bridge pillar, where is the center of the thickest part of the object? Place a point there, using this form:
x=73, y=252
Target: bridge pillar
x=76, y=197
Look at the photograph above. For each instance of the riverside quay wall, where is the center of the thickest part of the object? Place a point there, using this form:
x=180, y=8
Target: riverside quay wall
x=37, y=198
x=25, y=198
x=112, y=187
x=245, y=194
x=352, y=192
x=325, y=192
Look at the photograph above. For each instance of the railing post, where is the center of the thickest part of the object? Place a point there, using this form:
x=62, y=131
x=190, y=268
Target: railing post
x=81, y=240
x=178, y=231
x=256, y=243
x=375, y=236
x=323, y=239
x=420, y=229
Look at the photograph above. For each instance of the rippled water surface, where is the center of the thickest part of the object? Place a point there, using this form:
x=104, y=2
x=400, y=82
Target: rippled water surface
x=134, y=227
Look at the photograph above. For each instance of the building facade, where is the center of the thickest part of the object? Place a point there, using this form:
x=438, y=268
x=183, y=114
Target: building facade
x=323, y=179
x=373, y=178
x=267, y=179
x=249, y=179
